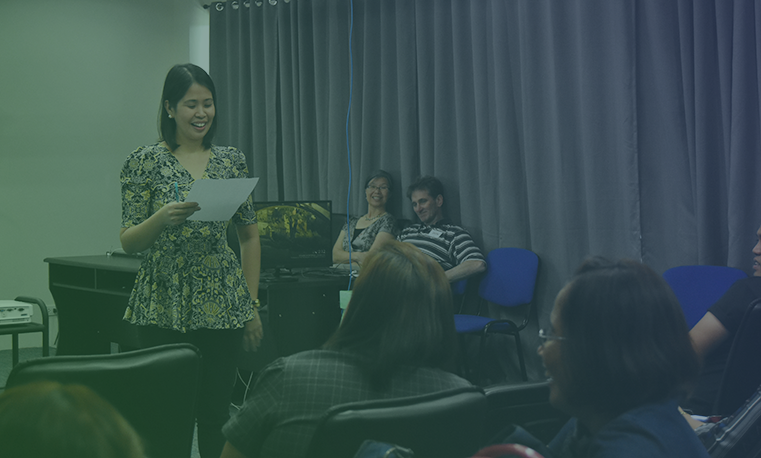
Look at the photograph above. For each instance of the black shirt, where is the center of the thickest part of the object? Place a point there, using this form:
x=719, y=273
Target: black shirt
x=729, y=310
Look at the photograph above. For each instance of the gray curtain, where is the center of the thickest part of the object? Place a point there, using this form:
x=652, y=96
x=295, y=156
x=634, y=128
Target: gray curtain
x=620, y=128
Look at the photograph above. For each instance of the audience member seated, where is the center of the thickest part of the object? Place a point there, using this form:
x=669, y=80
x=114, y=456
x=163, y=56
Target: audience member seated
x=370, y=231
x=618, y=356
x=393, y=342
x=450, y=245
x=47, y=419
x=712, y=336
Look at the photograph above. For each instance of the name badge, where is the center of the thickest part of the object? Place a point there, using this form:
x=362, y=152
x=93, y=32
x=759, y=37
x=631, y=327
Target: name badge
x=436, y=233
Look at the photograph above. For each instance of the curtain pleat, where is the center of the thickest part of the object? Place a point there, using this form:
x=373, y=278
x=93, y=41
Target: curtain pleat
x=573, y=128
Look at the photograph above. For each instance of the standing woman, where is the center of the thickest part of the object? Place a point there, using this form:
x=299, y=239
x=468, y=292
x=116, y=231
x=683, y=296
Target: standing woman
x=371, y=231
x=190, y=286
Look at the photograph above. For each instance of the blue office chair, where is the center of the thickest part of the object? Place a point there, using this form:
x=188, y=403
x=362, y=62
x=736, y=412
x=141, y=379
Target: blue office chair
x=510, y=281
x=458, y=287
x=458, y=293
x=698, y=287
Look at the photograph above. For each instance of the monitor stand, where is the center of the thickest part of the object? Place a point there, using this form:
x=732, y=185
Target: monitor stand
x=278, y=275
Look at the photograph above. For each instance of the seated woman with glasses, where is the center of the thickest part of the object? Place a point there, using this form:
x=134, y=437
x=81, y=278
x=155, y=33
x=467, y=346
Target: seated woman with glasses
x=618, y=357
x=372, y=230
x=393, y=342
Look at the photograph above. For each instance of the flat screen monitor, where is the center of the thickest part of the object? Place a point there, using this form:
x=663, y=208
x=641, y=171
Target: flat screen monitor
x=295, y=234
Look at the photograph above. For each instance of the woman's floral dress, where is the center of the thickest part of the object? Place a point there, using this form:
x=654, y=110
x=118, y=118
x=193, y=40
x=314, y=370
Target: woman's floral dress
x=190, y=279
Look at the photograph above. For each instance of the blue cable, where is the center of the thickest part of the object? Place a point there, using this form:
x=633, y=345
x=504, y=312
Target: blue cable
x=348, y=149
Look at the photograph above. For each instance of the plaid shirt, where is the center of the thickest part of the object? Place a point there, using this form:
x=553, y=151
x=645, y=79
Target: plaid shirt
x=291, y=394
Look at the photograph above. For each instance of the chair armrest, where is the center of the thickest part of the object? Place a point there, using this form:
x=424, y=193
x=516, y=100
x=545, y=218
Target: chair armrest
x=43, y=308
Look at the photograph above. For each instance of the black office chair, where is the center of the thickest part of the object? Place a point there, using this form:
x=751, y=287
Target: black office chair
x=154, y=389
x=447, y=424
x=742, y=374
x=526, y=405
x=24, y=328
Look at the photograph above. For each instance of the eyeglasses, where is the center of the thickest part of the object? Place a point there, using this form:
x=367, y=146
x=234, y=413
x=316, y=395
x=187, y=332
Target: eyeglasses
x=377, y=188
x=546, y=336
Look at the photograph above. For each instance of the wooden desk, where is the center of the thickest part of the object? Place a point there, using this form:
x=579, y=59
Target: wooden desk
x=91, y=294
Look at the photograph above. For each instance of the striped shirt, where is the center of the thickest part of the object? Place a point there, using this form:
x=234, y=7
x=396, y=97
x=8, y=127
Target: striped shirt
x=448, y=244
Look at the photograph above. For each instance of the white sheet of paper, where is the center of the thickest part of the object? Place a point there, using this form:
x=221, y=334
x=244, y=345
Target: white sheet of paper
x=219, y=199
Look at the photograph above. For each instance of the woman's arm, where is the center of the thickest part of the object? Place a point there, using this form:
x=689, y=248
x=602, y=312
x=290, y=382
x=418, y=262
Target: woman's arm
x=141, y=237
x=465, y=270
x=707, y=334
x=250, y=260
x=340, y=255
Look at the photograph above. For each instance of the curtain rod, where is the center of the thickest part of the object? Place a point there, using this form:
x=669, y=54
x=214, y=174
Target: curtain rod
x=246, y=3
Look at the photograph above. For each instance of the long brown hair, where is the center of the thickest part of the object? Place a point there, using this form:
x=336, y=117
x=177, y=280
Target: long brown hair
x=400, y=314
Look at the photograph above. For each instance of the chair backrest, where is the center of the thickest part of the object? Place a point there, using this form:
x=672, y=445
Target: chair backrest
x=444, y=424
x=526, y=405
x=510, y=277
x=458, y=287
x=154, y=389
x=699, y=287
x=742, y=373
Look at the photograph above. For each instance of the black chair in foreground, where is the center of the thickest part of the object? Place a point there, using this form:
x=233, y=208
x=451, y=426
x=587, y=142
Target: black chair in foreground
x=15, y=329
x=523, y=404
x=447, y=424
x=742, y=373
x=154, y=389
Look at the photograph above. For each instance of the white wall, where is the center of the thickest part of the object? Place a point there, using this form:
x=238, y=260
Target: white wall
x=80, y=82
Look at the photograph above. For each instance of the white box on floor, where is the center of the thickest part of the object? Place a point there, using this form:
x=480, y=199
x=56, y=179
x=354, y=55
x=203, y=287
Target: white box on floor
x=14, y=312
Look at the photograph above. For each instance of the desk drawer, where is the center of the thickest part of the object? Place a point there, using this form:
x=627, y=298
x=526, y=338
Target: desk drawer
x=119, y=282
x=82, y=277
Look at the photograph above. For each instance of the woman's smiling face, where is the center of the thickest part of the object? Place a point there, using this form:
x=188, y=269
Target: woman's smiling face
x=377, y=192
x=193, y=114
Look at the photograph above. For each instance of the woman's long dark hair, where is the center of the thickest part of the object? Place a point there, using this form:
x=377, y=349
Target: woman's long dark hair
x=626, y=340
x=400, y=314
x=176, y=85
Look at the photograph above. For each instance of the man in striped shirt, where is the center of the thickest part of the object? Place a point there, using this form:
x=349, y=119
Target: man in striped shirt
x=450, y=245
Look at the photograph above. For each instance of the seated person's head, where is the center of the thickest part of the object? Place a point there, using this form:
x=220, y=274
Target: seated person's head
x=621, y=341
x=400, y=313
x=47, y=419
x=378, y=190
x=427, y=197
x=431, y=185
x=379, y=179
